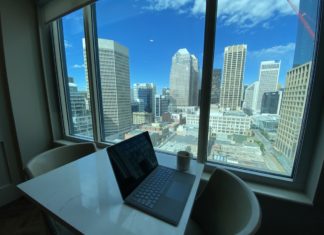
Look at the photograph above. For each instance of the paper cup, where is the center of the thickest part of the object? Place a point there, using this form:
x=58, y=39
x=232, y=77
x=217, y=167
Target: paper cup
x=183, y=160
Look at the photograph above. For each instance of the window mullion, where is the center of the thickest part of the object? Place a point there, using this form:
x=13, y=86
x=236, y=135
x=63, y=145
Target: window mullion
x=208, y=60
x=61, y=72
x=93, y=68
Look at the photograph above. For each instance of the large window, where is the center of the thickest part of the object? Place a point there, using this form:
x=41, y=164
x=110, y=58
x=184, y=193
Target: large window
x=261, y=80
x=76, y=87
x=150, y=61
x=145, y=64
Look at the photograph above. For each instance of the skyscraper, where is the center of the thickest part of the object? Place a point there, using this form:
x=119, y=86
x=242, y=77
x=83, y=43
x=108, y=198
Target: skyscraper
x=184, y=79
x=146, y=93
x=250, y=98
x=233, y=71
x=268, y=79
x=292, y=109
x=115, y=86
x=270, y=102
x=305, y=35
x=80, y=113
x=216, y=86
x=161, y=106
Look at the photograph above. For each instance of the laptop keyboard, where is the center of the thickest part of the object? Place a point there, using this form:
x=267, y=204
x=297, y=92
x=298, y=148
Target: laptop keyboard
x=148, y=193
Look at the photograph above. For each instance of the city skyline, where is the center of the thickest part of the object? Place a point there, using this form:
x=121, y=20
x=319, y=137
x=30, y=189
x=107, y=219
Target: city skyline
x=246, y=130
x=151, y=61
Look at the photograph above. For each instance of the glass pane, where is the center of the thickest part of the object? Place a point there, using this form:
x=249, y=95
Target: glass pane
x=150, y=63
x=77, y=87
x=263, y=62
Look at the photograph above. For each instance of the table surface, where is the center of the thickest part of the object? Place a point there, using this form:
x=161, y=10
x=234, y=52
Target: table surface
x=85, y=195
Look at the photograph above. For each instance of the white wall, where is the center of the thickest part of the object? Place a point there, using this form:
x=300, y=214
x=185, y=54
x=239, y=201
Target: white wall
x=25, y=78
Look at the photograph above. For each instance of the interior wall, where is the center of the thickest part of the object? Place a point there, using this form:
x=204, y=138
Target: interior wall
x=285, y=217
x=25, y=79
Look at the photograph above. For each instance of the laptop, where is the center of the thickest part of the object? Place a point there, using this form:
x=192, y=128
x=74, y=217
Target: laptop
x=144, y=184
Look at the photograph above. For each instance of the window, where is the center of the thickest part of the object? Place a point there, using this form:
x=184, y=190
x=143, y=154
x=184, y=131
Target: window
x=261, y=63
x=75, y=86
x=145, y=64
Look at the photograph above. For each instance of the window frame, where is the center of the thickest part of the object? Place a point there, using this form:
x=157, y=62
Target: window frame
x=303, y=165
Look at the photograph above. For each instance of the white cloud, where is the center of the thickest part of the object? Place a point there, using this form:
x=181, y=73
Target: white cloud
x=78, y=66
x=160, y=5
x=248, y=13
x=67, y=44
x=274, y=52
x=243, y=13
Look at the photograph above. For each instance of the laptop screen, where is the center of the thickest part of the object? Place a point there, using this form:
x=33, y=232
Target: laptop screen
x=132, y=160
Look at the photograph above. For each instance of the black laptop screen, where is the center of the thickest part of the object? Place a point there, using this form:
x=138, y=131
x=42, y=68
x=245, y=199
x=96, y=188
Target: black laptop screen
x=132, y=160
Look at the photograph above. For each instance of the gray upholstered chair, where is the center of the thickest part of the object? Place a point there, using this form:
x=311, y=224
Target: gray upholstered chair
x=225, y=206
x=57, y=157
x=50, y=160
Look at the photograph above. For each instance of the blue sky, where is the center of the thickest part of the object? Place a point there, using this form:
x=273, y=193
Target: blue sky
x=153, y=30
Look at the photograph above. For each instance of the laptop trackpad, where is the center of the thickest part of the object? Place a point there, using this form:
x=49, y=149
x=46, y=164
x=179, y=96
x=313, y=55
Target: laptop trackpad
x=177, y=191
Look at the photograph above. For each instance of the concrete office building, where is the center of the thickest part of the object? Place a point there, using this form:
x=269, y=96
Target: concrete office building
x=184, y=79
x=233, y=72
x=224, y=122
x=292, y=109
x=250, y=98
x=142, y=118
x=268, y=79
x=145, y=92
x=216, y=86
x=115, y=86
x=80, y=114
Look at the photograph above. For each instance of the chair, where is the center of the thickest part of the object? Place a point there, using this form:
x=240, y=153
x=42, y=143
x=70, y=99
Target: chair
x=225, y=206
x=57, y=157
x=50, y=160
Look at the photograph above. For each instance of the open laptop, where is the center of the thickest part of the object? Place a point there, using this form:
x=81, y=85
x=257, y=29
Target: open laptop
x=144, y=184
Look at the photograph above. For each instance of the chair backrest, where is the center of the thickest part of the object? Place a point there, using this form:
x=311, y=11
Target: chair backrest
x=227, y=206
x=57, y=157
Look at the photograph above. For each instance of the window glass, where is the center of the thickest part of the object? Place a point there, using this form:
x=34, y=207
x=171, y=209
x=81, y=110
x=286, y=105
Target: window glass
x=76, y=86
x=150, y=56
x=261, y=80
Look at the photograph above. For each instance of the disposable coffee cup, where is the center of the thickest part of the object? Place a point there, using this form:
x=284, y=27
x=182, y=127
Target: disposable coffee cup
x=183, y=160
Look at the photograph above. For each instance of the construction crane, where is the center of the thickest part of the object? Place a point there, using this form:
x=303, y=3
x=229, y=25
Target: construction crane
x=302, y=19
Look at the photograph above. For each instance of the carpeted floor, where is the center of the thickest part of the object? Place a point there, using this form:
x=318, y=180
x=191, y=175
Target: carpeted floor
x=22, y=217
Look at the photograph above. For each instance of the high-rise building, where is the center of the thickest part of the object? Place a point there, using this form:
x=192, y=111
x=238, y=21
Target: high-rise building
x=233, y=71
x=115, y=86
x=184, y=79
x=270, y=102
x=305, y=35
x=137, y=105
x=216, y=86
x=161, y=106
x=146, y=93
x=80, y=113
x=292, y=110
x=268, y=79
x=250, y=98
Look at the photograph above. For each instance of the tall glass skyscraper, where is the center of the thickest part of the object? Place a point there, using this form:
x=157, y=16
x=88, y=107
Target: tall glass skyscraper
x=184, y=79
x=146, y=93
x=305, y=33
